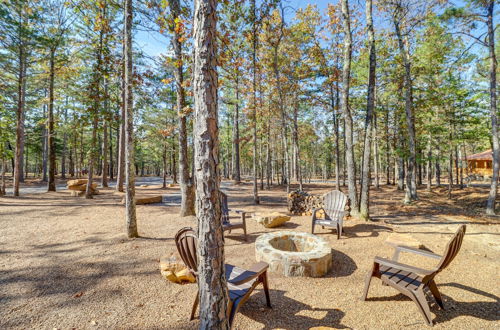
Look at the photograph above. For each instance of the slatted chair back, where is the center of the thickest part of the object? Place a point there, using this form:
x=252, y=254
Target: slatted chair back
x=224, y=209
x=334, y=204
x=452, y=249
x=185, y=240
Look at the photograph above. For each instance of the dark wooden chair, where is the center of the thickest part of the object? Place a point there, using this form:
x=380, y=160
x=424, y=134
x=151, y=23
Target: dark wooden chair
x=240, y=282
x=334, y=210
x=411, y=281
x=227, y=220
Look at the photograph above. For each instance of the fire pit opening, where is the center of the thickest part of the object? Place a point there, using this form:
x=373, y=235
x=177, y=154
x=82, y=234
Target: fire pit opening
x=294, y=253
x=291, y=244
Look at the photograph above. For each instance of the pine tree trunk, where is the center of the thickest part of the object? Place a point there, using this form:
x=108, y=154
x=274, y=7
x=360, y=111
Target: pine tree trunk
x=296, y=150
x=336, y=118
x=411, y=180
x=164, y=158
x=65, y=143
x=256, y=199
x=105, y=164
x=129, y=129
x=376, y=157
x=120, y=177
x=450, y=170
x=45, y=149
x=186, y=182
x=364, y=212
x=236, y=172
x=429, y=164
x=438, y=167
x=111, y=160
x=50, y=132
x=387, y=150
x=95, y=93
x=21, y=96
x=212, y=285
x=346, y=75
x=490, y=205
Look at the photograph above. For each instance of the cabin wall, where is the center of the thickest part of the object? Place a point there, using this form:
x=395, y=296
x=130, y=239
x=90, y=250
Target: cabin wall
x=480, y=167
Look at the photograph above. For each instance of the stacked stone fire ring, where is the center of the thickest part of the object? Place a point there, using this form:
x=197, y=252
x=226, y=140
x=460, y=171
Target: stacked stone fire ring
x=294, y=253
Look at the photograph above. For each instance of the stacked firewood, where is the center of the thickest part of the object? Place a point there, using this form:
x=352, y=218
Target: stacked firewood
x=302, y=203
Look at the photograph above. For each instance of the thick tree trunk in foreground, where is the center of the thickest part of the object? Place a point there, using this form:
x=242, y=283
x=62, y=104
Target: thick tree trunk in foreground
x=129, y=131
x=490, y=206
x=211, y=278
x=370, y=105
x=346, y=75
x=50, y=133
x=185, y=180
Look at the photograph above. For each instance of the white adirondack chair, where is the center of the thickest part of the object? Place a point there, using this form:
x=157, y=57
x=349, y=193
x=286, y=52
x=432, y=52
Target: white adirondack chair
x=333, y=207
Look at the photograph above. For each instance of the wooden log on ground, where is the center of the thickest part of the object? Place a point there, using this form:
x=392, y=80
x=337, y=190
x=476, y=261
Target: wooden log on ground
x=77, y=182
x=140, y=200
x=82, y=187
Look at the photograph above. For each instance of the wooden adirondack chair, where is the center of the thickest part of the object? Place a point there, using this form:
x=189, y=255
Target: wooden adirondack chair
x=240, y=282
x=411, y=281
x=333, y=206
x=227, y=224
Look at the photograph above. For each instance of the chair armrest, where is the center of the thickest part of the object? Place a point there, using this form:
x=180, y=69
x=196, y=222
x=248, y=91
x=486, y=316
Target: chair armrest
x=255, y=271
x=404, y=267
x=237, y=211
x=314, y=212
x=404, y=248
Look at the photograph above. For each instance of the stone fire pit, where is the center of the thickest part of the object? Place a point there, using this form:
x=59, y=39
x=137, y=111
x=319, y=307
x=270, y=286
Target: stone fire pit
x=294, y=253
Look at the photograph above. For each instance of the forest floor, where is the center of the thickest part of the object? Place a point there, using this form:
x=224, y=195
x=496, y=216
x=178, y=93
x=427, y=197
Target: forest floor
x=64, y=264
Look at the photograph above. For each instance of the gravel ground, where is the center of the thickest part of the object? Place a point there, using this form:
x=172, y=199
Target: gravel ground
x=65, y=264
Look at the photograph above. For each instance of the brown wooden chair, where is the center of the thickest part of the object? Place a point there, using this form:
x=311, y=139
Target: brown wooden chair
x=411, y=281
x=227, y=222
x=334, y=210
x=240, y=282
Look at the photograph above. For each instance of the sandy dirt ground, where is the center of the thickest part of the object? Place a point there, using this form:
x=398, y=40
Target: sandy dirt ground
x=65, y=264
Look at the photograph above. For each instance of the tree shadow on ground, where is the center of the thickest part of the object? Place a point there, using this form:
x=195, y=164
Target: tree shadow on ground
x=288, y=313
x=361, y=230
x=486, y=310
x=342, y=265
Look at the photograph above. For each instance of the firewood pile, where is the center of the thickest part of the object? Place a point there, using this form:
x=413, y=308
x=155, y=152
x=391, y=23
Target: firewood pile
x=302, y=203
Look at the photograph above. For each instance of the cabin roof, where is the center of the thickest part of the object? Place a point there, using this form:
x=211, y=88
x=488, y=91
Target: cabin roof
x=485, y=155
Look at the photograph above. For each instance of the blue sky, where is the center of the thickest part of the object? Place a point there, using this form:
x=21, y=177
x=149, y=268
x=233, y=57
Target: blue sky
x=154, y=44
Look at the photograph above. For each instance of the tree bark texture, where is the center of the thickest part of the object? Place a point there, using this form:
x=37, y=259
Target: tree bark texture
x=213, y=296
x=185, y=180
x=490, y=205
x=411, y=173
x=346, y=76
x=364, y=212
x=236, y=172
x=120, y=176
x=129, y=131
x=256, y=199
x=21, y=98
x=50, y=132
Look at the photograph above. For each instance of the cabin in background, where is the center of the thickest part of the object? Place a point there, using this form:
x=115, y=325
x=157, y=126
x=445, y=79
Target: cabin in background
x=481, y=163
